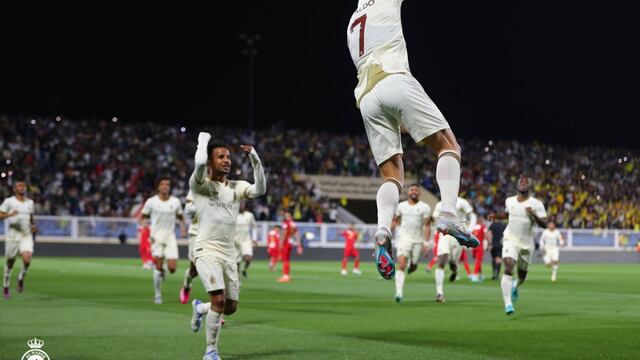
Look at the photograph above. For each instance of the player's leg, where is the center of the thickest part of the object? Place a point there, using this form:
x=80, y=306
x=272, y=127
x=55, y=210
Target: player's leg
x=555, y=263
x=465, y=262
x=158, y=277
x=387, y=199
x=509, y=256
x=286, y=265
x=26, y=262
x=524, y=259
x=345, y=260
x=247, y=256
x=444, y=143
x=356, y=262
x=477, y=269
x=439, y=275
x=414, y=258
x=211, y=274
x=6, y=279
x=189, y=275
x=400, y=273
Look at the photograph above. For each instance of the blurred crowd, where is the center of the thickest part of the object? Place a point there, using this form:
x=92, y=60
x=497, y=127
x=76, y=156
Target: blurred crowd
x=108, y=168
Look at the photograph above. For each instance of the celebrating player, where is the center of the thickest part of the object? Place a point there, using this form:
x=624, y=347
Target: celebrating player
x=479, y=230
x=163, y=210
x=350, y=238
x=550, y=241
x=289, y=230
x=191, y=272
x=448, y=252
x=390, y=98
x=217, y=203
x=246, y=222
x=413, y=216
x=523, y=211
x=18, y=210
x=273, y=246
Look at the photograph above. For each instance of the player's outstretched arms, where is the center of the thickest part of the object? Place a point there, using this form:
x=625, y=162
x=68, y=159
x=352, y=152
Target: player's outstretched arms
x=200, y=172
x=259, y=187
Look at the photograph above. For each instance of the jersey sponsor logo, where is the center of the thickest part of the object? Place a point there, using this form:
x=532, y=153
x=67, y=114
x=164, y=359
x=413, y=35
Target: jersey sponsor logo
x=229, y=206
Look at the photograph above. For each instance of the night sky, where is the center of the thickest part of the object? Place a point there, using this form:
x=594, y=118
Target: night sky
x=562, y=73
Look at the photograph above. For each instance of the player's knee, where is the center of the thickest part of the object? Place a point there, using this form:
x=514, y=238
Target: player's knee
x=230, y=307
x=10, y=262
x=442, y=261
x=218, y=302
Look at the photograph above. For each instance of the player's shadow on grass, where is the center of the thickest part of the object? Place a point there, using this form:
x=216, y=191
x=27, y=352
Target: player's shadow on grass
x=541, y=315
x=261, y=355
x=310, y=311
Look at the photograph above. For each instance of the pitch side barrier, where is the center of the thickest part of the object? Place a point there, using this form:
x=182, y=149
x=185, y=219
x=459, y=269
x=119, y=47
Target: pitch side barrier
x=103, y=230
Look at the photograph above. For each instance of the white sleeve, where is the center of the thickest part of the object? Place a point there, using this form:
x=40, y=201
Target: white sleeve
x=259, y=187
x=146, y=209
x=398, y=210
x=436, y=211
x=197, y=187
x=5, y=206
x=179, y=210
x=541, y=212
x=189, y=209
x=427, y=212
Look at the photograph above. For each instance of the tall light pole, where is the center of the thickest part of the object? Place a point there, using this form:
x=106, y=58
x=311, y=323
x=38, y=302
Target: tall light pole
x=251, y=51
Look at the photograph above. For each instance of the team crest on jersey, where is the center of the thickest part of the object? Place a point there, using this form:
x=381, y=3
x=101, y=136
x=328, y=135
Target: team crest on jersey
x=36, y=352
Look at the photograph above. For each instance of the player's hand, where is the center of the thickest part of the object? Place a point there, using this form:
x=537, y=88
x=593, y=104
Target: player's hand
x=183, y=233
x=530, y=211
x=13, y=213
x=299, y=250
x=34, y=229
x=246, y=148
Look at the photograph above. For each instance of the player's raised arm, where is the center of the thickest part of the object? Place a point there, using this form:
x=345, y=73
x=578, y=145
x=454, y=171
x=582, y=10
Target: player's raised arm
x=200, y=171
x=259, y=187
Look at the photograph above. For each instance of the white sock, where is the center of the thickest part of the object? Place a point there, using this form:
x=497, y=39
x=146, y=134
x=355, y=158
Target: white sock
x=506, y=285
x=157, y=282
x=187, y=279
x=203, y=308
x=448, y=178
x=399, y=282
x=387, y=201
x=213, y=330
x=439, y=281
x=23, y=272
x=7, y=276
x=554, y=272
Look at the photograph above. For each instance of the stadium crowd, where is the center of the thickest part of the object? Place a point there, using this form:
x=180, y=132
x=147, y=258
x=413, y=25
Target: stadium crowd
x=108, y=168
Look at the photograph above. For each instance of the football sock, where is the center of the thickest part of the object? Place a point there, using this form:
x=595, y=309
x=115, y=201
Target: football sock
x=157, y=281
x=344, y=263
x=23, y=272
x=506, y=285
x=448, y=178
x=187, y=279
x=203, y=308
x=399, y=282
x=356, y=263
x=439, y=281
x=387, y=202
x=554, y=272
x=7, y=276
x=213, y=329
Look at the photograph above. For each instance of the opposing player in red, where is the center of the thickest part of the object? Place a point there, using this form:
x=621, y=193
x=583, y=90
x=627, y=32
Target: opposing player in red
x=350, y=238
x=479, y=229
x=144, y=233
x=289, y=230
x=273, y=246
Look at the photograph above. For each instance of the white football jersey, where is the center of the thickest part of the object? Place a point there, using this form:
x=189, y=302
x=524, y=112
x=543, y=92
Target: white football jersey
x=20, y=222
x=412, y=219
x=376, y=42
x=163, y=217
x=193, y=226
x=245, y=222
x=551, y=239
x=464, y=209
x=520, y=229
x=217, y=206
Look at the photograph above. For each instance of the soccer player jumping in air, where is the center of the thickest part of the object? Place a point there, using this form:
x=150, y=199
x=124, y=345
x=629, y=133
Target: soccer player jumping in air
x=390, y=98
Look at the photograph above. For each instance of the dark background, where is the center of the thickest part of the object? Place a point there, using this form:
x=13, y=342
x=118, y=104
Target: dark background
x=559, y=72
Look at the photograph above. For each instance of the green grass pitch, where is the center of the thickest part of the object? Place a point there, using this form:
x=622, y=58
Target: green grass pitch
x=102, y=309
